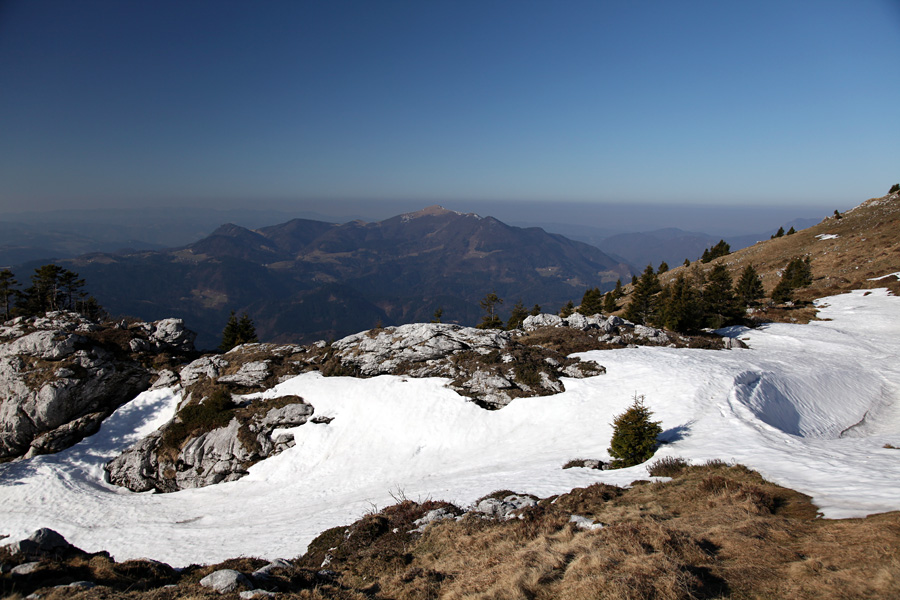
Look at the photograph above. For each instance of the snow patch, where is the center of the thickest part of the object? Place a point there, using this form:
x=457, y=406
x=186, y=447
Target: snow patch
x=827, y=236
x=810, y=407
x=889, y=275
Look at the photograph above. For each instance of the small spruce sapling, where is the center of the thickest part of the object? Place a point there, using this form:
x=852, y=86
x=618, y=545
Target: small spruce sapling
x=634, y=435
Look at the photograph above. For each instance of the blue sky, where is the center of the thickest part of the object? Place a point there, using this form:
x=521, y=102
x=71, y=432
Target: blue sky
x=126, y=103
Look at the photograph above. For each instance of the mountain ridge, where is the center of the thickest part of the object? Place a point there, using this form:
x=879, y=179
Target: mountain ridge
x=303, y=280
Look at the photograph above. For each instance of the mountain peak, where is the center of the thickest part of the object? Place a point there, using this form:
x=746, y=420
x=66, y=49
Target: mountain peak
x=435, y=210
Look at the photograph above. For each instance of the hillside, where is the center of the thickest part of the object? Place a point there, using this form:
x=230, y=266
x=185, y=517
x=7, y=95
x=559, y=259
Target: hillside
x=855, y=251
x=305, y=280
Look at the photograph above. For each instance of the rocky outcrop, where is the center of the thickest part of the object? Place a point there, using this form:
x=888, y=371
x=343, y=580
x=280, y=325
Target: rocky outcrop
x=217, y=433
x=490, y=366
x=61, y=375
x=186, y=453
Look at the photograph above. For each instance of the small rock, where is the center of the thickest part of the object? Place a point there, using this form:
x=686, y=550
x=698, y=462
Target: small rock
x=585, y=523
x=226, y=580
x=438, y=514
x=266, y=571
x=25, y=568
x=251, y=594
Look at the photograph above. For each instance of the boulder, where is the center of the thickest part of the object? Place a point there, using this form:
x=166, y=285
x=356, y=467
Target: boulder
x=62, y=375
x=226, y=580
x=221, y=454
x=504, y=509
x=438, y=514
x=41, y=543
x=730, y=343
x=533, y=322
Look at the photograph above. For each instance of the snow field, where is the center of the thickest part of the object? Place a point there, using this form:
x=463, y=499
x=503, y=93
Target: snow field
x=809, y=406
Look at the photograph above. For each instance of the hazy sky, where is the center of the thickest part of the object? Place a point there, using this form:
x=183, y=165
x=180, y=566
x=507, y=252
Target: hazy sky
x=125, y=103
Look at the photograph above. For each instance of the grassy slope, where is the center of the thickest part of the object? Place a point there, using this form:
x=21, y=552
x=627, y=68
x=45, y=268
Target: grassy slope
x=713, y=531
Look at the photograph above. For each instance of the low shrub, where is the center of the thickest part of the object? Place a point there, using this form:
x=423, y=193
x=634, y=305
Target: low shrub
x=668, y=466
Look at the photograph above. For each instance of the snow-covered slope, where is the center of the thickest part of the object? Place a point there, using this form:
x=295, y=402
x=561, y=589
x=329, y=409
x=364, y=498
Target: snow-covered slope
x=809, y=406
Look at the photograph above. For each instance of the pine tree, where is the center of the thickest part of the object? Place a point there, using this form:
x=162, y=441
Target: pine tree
x=229, y=334
x=663, y=267
x=687, y=262
x=837, y=215
x=591, y=302
x=52, y=288
x=634, y=435
x=246, y=331
x=567, y=310
x=642, y=306
x=8, y=292
x=535, y=310
x=779, y=233
x=618, y=291
x=783, y=292
x=609, y=302
x=719, y=303
x=791, y=231
x=682, y=311
x=237, y=332
x=797, y=274
x=517, y=316
x=438, y=313
x=491, y=320
x=722, y=248
x=749, y=287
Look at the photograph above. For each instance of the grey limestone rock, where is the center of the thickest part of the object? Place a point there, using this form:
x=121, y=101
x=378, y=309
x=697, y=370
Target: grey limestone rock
x=43, y=542
x=730, y=343
x=61, y=375
x=250, y=374
x=504, y=509
x=211, y=457
x=226, y=580
x=533, y=322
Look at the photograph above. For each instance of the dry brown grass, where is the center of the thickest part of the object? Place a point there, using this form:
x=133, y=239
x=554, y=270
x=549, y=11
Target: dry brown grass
x=867, y=246
x=712, y=531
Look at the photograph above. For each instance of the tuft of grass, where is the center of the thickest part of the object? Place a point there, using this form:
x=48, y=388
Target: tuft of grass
x=669, y=466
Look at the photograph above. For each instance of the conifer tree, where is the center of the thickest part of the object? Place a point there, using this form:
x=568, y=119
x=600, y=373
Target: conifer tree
x=517, y=316
x=618, y=291
x=634, y=435
x=246, y=330
x=642, y=306
x=719, y=303
x=491, y=320
x=749, y=287
x=682, y=311
x=779, y=233
x=791, y=231
x=687, y=262
x=237, y=332
x=609, y=302
x=535, y=310
x=438, y=313
x=567, y=310
x=8, y=292
x=722, y=248
x=663, y=267
x=52, y=288
x=591, y=302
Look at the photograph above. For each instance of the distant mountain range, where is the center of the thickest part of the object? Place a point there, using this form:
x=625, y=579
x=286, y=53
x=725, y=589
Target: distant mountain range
x=672, y=245
x=304, y=280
